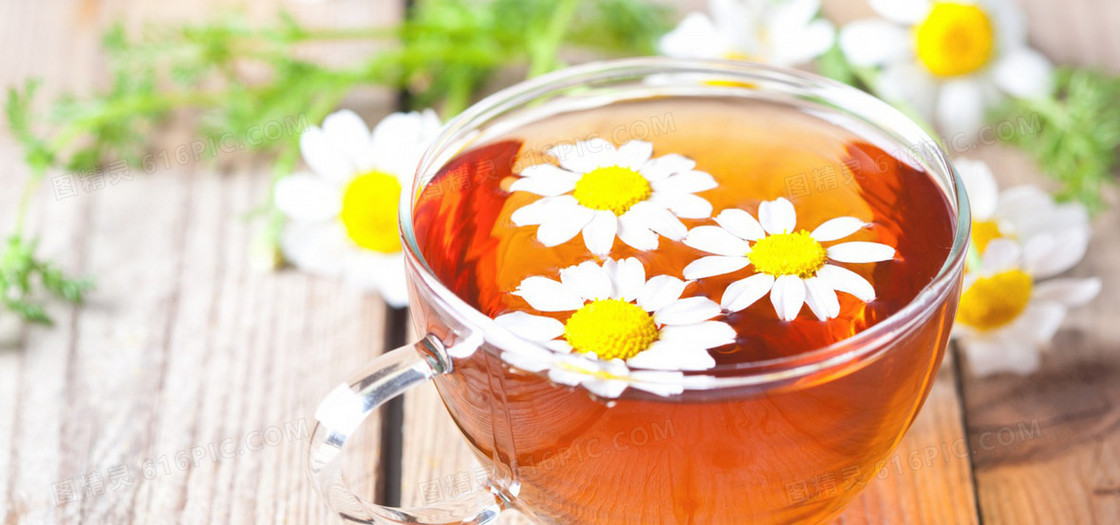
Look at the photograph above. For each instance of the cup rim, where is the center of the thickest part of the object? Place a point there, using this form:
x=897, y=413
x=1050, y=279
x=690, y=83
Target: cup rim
x=902, y=130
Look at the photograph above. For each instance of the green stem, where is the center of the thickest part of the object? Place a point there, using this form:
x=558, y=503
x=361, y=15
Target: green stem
x=543, y=51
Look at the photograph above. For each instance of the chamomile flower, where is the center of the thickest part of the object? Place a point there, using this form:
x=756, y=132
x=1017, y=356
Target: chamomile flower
x=793, y=266
x=607, y=192
x=778, y=32
x=619, y=320
x=343, y=217
x=1020, y=213
x=950, y=60
x=1006, y=316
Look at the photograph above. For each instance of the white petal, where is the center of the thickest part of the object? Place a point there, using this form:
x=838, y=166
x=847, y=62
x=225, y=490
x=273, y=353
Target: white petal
x=906, y=12
x=837, y=228
x=686, y=205
x=845, y=280
x=349, y=133
x=558, y=345
x=548, y=186
x=1001, y=254
x=686, y=182
x=909, y=83
x=745, y=292
x=1047, y=254
x=991, y=356
x=664, y=166
x=531, y=327
x=792, y=15
x=1010, y=22
x=983, y=193
x=714, y=239
x=1068, y=292
x=661, y=221
x=586, y=155
x=326, y=159
x=307, y=198
x=634, y=154
x=1040, y=321
x=788, y=296
x=1024, y=73
x=547, y=295
x=860, y=252
x=798, y=47
x=689, y=310
x=777, y=216
x=741, y=224
x=714, y=265
x=873, y=42
x=1023, y=204
x=708, y=334
x=659, y=291
x=599, y=234
x=694, y=37
x=664, y=384
x=399, y=141
x=368, y=270
x=528, y=359
x=605, y=388
x=821, y=299
x=589, y=280
x=563, y=225
x=633, y=232
x=663, y=355
x=629, y=278
x=961, y=107
x=540, y=210
x=320, y=248
x=548, y=171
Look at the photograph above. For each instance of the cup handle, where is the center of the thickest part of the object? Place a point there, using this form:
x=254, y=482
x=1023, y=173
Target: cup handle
x=348, y=405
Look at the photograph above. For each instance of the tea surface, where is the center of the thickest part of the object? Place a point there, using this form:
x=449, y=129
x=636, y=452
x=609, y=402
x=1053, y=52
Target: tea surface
x=755, y=151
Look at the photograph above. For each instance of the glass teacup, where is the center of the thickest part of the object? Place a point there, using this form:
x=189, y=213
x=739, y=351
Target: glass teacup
x=735, y=443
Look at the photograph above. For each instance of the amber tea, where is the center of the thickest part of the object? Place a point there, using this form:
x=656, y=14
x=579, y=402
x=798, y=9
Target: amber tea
x=734, y=234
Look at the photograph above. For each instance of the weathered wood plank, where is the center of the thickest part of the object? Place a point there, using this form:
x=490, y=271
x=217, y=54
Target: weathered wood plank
x=194, y=373
x=1047, y=447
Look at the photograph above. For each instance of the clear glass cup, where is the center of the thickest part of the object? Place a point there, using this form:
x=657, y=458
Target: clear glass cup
x=731, y=448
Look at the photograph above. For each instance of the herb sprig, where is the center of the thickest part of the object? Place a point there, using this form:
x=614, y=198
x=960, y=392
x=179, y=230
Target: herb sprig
x=237, y=75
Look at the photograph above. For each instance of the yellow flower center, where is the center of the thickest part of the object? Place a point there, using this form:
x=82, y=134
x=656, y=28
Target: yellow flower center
x=992, y=302
x=984, y=232
x=369, y=211
x=612, y=188
x=610, y=328
x=788, y=254
x=955, y=39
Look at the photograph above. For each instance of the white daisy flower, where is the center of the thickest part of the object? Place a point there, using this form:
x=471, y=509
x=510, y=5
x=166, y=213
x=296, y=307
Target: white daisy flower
x=778, y=32
x=343, y=217
x=619, y=320
x=950, y=60
x=1006, y=317
x=607, y=192
x=1020, y=213
x=792, y=266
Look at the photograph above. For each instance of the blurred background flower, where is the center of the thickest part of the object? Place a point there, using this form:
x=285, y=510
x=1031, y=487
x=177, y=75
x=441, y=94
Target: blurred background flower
x=950, y=61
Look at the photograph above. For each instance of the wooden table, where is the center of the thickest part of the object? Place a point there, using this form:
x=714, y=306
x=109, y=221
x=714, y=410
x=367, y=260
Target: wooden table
x=184, y=391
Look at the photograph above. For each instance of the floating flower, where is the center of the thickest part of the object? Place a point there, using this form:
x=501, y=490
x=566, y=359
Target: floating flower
x=606, y=192
x=1006, y=317
x=343, y=218
x=1020, y=213
x=783, y=33
x=792, y=266
x=619, y=320
x=950, y=60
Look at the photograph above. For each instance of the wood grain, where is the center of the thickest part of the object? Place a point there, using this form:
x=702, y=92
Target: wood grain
x=189, y=370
